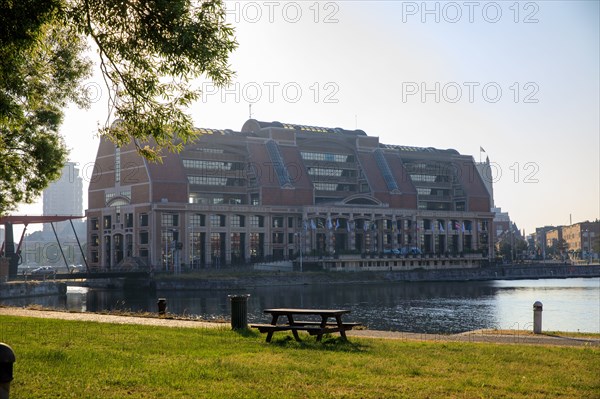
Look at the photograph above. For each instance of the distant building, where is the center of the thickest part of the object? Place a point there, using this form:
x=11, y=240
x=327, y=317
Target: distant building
x=554, y=236
x=64, y=196
x=501, y=223
x=272, y=190
x=541, y=240
x=580, y=238
x=555, y=246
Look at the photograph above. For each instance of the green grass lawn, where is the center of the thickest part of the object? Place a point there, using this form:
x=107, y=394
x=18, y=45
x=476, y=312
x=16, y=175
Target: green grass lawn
x=65, y=359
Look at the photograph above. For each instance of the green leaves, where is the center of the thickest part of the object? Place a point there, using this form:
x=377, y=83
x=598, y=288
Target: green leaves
x=150, y=52
x=41, y=67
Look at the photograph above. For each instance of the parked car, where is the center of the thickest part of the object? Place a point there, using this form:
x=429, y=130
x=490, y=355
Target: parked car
x=43, y=271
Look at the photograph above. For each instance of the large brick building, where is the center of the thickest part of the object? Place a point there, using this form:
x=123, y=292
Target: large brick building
x=273, y=189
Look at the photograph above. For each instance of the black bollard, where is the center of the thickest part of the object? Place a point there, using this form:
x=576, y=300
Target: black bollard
x=162, y=306
x=7, y=358
x=239, y=311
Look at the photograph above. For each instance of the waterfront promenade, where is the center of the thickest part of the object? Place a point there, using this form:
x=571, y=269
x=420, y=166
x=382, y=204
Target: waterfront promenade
x=482, y=336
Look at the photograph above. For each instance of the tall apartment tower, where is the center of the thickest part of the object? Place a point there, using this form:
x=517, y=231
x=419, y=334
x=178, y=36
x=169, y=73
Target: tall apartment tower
x=64, y=196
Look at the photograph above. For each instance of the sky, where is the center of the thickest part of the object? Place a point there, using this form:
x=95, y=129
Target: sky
x=519, y=80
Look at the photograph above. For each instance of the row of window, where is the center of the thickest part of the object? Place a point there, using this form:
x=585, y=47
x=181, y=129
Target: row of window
x=438, y=192
x=212, y=165
x=215, y=199
x=326, y=156
x=217, y=181
x=331, y=172
x=128, y=221
x=257, y=221
x=217, y=220
x=334, y=186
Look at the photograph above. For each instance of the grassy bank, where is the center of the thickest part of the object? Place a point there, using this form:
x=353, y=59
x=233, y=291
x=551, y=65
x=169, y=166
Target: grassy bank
x=63, y=359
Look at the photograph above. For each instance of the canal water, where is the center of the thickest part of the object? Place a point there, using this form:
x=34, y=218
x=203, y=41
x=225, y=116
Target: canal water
x=422, y=307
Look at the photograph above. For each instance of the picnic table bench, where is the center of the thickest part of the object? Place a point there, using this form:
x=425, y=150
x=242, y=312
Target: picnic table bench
x=317, y=328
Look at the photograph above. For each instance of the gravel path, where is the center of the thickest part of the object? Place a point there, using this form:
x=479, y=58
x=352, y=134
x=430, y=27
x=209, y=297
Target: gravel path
x=489, y=336
x=106, y=318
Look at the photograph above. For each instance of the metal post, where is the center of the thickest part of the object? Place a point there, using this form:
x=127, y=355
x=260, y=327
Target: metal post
x=7, y=358
x=537, y=317
x=80, y=249
x=60, y=247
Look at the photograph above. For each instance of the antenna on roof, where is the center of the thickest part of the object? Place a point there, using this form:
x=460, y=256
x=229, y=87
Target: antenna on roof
x=250, y=111
x=355, y=121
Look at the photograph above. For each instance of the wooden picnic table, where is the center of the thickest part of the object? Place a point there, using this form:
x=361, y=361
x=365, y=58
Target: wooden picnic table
x=318, y=328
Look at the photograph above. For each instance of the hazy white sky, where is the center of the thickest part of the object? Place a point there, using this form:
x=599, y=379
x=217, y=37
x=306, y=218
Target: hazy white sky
x=519, y=79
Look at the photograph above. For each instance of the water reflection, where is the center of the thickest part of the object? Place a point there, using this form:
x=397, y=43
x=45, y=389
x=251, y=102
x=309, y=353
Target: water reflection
x=569, y=305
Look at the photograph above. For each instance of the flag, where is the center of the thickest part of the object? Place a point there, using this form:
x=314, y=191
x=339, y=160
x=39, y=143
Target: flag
x=329, y=224
x=365, y=225
x=312, y=224
x=441, y=227
x=456, y=225
x=305, y=225
x=320, y=224
x=481, y=149
x=348, y=226
x=463, y=227
x=337, y=224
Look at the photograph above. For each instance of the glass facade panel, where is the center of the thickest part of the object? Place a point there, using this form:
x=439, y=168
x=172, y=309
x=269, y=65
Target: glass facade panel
x=256, y=245
x=217, y=220
x=197, y=220
x=327, y=172
x=256, y=221
x=169, y=220
x=325, y=186
x=143, y=237
x=237, y=221
x=326, y=156
x=212, y=165
x=129, y=220
x=278, y=221
x=277, y=238
x=117, y=164
x=215, y=244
